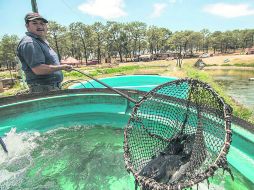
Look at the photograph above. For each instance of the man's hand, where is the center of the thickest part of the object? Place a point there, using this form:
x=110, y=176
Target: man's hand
x=44, y=69
x=66, y=67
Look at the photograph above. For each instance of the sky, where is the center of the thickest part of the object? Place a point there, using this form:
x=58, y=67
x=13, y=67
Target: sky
x=176, y=15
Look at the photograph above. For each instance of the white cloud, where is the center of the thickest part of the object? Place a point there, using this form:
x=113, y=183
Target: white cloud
x=158, y=9
x=229, y=10
x=107, y=9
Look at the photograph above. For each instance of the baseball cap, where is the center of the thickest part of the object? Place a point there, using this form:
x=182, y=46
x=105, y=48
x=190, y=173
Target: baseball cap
x=33, y=16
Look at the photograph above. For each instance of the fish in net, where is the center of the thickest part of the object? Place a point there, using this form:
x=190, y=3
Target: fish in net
x=178, y=135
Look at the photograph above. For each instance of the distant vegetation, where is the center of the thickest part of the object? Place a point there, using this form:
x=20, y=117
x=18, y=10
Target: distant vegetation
x=127, y=40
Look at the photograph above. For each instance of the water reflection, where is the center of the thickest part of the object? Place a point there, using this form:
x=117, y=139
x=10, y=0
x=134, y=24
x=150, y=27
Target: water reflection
x=237, y=85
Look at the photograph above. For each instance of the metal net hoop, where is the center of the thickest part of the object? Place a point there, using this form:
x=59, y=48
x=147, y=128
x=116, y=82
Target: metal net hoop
x=182, y=107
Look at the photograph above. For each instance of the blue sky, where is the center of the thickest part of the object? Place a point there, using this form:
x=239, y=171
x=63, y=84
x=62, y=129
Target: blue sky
x=175, y=15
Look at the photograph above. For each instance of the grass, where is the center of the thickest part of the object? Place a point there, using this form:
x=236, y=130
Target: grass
x=235, y=64
x=211, y=65
x=244, y=65
x=7, y=74
x=99, y=71
x=117, y=70
x=17, y=87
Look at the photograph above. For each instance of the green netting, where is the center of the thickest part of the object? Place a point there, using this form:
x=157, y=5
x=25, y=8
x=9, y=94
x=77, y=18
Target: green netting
x=178, y=135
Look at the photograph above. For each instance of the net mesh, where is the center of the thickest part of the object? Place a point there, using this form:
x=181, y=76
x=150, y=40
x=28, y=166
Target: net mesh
x=178, y=135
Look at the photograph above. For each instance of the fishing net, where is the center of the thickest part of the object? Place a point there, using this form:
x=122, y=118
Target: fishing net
x=178, y=135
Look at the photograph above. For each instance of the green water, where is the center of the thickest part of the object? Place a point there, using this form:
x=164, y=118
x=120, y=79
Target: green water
x=139, y=82
x=75, y=158
x=237, y=85
x=80, y=157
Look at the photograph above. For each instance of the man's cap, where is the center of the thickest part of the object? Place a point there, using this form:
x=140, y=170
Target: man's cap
x=33, y=16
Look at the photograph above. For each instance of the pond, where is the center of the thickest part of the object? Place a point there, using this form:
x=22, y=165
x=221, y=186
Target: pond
x=236, y=84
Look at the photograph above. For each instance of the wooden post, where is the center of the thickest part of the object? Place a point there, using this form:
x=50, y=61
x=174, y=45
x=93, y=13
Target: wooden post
x=34, y=6
x=1, y=86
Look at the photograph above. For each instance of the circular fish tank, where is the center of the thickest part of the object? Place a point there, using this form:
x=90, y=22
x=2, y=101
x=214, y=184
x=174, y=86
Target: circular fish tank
x=137, y=82
x=73, y=139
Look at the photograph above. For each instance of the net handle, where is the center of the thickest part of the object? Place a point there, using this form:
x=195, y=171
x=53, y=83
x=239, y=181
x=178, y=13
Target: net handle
x=109, y=87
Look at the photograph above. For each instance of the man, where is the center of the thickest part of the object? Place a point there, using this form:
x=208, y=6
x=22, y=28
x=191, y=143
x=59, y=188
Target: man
x=39, y=61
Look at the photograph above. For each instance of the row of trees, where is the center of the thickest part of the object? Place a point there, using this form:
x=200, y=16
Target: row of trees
x=127, y=40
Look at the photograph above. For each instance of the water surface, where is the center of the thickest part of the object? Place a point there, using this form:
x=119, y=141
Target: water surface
x=237, y=85
x=79, y=157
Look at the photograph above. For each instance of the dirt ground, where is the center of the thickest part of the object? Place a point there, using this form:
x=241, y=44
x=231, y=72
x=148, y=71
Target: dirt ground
x=216, y=60
x=170, y=65
x=219, y=60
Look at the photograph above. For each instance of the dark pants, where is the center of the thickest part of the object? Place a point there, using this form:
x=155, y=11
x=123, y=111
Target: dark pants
x=38, y=88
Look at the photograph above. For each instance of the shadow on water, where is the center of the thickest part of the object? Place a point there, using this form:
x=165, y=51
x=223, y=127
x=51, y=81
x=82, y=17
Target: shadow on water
x=237, y=84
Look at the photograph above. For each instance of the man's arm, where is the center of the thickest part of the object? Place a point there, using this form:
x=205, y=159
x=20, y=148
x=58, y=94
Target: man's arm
x=44, y=69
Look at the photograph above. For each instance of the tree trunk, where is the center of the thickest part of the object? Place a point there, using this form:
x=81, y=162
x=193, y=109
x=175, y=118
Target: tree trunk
x=120, y=54
x=84, y=47
x=57, y=48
